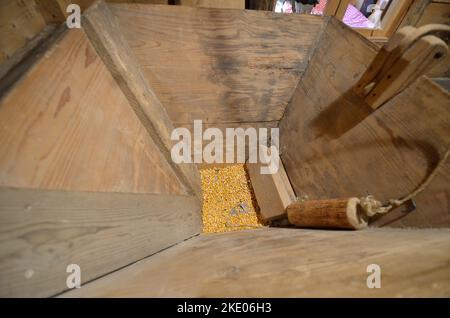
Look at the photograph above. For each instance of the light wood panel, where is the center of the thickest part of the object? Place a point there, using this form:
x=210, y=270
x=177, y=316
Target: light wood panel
x=106, y=36
x=222, y=4
x=20, y=24
x=66, y=125
x=42, y=232
x=288, y=263
x=334, y=146
x=219, y=65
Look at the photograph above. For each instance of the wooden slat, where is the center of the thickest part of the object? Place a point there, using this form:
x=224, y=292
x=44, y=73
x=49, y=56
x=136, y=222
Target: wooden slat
x=273, y=192
x=334, y=146
x=222, y=4
x=288, y=263
x=105, y=34
x=66, y=125
x=42, y=232
x=219, y=65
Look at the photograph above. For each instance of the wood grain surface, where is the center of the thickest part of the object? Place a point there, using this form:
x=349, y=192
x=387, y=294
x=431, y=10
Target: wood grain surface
x=288, y=263
x=66, y=125
x=105, y=34
x=334, y=146
x=219, y=65
x=42, y=232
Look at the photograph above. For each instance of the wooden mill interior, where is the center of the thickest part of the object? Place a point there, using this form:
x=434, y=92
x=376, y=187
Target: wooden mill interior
x=87, y=178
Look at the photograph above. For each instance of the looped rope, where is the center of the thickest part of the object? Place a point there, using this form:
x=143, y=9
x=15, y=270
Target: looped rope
x=371, y=206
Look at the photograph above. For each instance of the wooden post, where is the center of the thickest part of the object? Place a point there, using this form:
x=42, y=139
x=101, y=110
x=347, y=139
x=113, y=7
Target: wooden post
x=324, y=214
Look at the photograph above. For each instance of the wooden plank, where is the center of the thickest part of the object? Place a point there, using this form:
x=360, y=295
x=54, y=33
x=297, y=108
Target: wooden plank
x=332, y=7
x=273, y=192
x=42, y=232
x=20, y=22
x=66, y=125
x=334, y=146
x=21, y=53
x=106, y=36
x=219, y=65
x=219, y=4
x=55, y=11
x=414, y=13
x=443, y=82
x=435, y=13
x=288, y=263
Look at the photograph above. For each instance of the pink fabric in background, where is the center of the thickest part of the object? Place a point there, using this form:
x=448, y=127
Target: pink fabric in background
x=354, y=18
x=319, y=8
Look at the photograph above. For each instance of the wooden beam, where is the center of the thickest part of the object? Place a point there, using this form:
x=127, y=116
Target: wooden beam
x=105, y=34
x=41, y=232
x=275, y=262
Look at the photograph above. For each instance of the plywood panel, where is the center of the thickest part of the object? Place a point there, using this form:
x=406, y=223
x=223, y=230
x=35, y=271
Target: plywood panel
x=334, y=146
x=67, y=126
x=288, y=263
x=42, y=232
x=219, y=65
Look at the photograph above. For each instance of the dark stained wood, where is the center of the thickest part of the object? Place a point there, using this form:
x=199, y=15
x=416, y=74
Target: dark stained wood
x=219, y=65
x=334, y=146
x=105, y=34
x=42, y=232
x=288, y=263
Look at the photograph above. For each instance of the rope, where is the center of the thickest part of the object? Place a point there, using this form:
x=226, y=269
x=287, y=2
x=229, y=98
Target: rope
x=371, y=206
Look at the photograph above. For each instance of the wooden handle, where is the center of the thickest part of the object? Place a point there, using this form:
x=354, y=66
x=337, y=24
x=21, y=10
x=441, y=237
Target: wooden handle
x=327, y=214
x=409, y=54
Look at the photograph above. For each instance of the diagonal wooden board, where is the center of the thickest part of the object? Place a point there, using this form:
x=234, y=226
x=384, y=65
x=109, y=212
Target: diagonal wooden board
x=334, y=146
x=104, y=32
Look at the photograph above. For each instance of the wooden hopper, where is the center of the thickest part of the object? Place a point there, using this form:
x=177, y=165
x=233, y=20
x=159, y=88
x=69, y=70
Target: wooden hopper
x=86, y=175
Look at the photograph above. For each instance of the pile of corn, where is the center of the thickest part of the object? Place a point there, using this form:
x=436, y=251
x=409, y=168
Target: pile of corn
x=228, y=200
